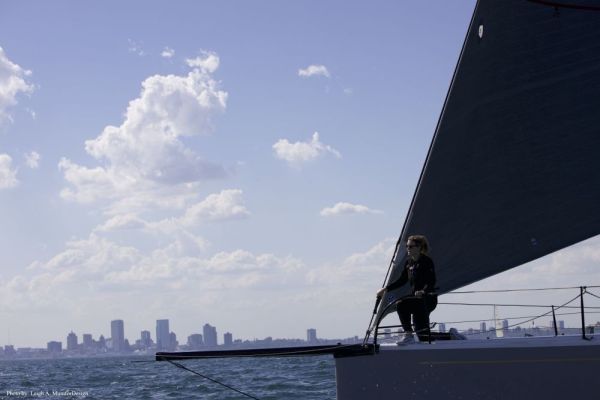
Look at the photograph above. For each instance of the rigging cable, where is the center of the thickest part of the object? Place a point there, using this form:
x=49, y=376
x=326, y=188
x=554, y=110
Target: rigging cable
x=557, y=4
x=516, y=290
x=592, y=294
x=210, y=379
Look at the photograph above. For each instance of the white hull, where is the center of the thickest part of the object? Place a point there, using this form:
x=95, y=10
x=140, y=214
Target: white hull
x=553, y=368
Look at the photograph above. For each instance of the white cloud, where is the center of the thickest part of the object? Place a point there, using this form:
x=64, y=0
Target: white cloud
x=299, y=152
x=144, y=160
x=228, y=204
x=364, y=270
x=32, y=159
x=135, y=48
x=122, y=222
x=343, y=208
x=167, y=52
x=314, y=70
x=8, y=175
x=207, y=62
x=12, y=83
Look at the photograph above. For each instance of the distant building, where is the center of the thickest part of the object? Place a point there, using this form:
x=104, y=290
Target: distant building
x=163, y=337
x=387, y=333
x=505, y=325
x=145, y=339
x=311, y=335
x=228, y=339
x=482, y=327
x=173, y=341
x=561, y=324
x=210, y=335
x=54, y=347
x=71, y=341
x=101, y=342
x=88, y=342
x=9, y=350
x=442, y=327
x=195, y=341
x=117, y=335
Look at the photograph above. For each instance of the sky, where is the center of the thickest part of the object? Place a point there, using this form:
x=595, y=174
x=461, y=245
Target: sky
x=245, y=164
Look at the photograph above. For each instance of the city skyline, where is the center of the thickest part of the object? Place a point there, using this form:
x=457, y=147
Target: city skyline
x=249, y=165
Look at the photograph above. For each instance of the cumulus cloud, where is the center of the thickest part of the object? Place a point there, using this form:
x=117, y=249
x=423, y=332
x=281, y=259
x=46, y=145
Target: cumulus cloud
x=314, y=70
x=32, y=159
x=361, y=270
x=13, y=81
x=145, y=154
x=167, y=52
x=8, y=175
x=343, y=208
x=122, y=222
x=103, y=266
x=207, y=62
x=228, y=204
x=299, y=152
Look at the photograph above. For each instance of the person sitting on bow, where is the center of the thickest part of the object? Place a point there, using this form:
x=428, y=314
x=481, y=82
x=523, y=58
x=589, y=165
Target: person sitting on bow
x=420, y=273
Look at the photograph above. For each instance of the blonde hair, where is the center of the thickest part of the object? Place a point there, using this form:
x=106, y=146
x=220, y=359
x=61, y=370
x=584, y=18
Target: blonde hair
x=421, y=240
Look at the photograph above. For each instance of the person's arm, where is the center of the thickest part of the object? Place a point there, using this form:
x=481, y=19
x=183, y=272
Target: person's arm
x=398, y=282
x=430, y=277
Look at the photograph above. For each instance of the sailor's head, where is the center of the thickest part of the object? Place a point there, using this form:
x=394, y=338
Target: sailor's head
x=416, y=245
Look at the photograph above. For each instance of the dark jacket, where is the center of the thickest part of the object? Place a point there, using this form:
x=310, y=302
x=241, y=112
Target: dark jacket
x=420, y=274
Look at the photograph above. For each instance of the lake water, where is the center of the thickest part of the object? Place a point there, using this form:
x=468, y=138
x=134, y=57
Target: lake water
x=286, y=378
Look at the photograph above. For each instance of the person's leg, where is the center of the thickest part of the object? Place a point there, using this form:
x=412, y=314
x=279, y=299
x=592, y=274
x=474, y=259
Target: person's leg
x=404, y=312
x=421, y=316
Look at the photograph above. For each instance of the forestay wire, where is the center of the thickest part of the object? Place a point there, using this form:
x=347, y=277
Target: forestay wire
x=178, y=365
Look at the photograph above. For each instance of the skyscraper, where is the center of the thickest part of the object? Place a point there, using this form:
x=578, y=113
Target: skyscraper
x=228, y=339
x=54, y=347
x=88, y=342
x=482, y=327
x=145, y=339
x=210, y=335
x=163, y=337
x=71, y=341
x=117, y=335
x=311, y=335
x=195, y=341
x=173, y=343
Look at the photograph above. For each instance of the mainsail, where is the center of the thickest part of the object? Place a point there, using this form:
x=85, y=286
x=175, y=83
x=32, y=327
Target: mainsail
x=513, y=171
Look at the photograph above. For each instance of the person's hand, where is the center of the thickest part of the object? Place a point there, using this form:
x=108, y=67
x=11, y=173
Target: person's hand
x=381, y=292
x=419, y=293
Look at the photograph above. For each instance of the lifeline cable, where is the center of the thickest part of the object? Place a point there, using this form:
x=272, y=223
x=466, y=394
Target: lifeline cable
x=516, y=290
x=210, y=379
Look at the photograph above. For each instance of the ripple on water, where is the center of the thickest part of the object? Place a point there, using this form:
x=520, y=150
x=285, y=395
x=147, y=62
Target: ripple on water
x=306, y=378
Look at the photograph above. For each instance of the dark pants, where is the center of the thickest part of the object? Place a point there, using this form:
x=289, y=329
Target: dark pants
x=419, y=309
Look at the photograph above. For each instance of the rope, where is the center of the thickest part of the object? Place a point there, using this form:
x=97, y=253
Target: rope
x=510, y=305
x=212, y=380
x=517, y=290
x=592, y=294
x=557, y=4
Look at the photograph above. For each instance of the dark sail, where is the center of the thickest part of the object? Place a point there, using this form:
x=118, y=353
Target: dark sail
x=513, y=172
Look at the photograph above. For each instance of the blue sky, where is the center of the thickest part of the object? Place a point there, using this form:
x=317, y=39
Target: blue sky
x=246, y=164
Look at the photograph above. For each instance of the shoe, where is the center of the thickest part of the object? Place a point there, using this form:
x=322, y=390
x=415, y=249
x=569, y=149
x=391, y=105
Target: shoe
x=454, y=335
x=408, y=339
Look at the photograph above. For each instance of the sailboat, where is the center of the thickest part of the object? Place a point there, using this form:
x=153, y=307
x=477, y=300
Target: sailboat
x=512, y=174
